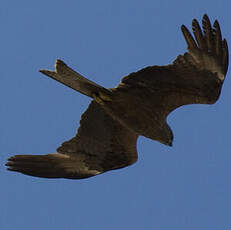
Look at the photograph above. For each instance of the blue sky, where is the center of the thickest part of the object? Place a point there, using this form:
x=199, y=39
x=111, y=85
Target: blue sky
x=187, y=186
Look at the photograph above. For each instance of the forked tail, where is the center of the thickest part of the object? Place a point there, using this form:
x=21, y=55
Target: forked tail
x=74, y=80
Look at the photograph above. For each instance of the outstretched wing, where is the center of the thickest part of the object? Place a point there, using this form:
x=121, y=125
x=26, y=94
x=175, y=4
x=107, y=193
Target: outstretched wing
x=101, y=144
x=193, y=78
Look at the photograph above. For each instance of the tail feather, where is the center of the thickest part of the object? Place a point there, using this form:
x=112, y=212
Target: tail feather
x=74, y=80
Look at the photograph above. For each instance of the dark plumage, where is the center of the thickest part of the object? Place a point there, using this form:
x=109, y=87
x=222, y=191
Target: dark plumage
x=139, y=105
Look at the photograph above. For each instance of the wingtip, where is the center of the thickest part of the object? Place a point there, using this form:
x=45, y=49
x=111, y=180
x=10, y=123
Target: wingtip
x=10, y=164
x=183, y=27
x=188, y=37
x=7, y=163
x=205, y=17
x=194, y=22
x=216, y=24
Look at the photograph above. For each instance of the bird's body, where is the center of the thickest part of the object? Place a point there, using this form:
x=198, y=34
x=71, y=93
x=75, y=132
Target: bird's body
x=139, y=105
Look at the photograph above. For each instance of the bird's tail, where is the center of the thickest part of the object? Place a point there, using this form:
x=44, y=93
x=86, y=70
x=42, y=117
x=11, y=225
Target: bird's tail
x=76, y=81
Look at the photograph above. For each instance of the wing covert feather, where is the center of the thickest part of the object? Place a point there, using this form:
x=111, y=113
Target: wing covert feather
x=101, y=136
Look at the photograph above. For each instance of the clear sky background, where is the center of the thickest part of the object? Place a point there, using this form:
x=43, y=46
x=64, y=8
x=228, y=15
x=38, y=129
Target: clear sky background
x=184, y=187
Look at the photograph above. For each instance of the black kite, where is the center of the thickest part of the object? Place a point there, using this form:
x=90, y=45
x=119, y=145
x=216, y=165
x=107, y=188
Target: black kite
x=139, y=105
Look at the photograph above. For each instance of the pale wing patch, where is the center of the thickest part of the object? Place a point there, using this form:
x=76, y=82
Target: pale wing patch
x=75, y=165
x=209, y=63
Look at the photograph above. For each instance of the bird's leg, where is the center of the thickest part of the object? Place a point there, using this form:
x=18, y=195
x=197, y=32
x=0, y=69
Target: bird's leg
x=101, y=97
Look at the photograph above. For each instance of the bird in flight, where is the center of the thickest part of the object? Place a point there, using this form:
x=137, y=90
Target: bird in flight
x=138, y=105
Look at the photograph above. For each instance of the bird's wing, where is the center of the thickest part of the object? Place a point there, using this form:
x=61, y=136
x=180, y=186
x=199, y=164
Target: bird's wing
x=101, y=144
x=193, y=78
